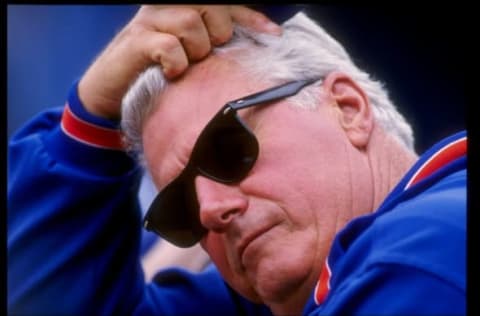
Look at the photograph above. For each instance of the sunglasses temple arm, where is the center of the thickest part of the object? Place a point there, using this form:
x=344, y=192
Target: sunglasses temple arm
x=272, y=94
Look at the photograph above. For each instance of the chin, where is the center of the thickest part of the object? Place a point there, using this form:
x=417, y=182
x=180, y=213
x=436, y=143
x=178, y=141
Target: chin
x=275, y=282
x=246, y=291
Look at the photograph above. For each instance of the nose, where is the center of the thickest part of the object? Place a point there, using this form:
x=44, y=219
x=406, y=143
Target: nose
x=219, y=203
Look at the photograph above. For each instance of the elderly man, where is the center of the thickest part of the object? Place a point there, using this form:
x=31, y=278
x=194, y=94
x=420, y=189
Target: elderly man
x=287, y=163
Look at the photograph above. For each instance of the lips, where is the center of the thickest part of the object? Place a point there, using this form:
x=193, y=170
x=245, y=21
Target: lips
x=249, y=238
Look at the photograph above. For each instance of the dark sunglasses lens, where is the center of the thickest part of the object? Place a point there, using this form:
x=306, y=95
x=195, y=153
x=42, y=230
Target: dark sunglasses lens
x=227, y=150
x=174, y=214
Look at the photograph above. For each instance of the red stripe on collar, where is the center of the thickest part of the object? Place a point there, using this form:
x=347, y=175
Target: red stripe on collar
x=323, y=284
x=89, y=133
x=445, y=155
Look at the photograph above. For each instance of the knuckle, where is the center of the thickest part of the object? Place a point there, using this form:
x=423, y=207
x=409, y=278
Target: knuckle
x=169, y=43
x=188, y=18
x=213, y=10
x=168, y=50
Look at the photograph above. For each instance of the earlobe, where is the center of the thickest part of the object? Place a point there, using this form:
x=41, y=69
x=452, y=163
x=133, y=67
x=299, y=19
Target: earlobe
x=354, y=109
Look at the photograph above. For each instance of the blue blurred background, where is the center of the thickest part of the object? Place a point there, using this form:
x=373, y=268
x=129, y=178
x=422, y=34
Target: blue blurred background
x=48, y=47
x=418, y=55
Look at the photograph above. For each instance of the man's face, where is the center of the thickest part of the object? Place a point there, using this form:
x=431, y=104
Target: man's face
x=269, y=234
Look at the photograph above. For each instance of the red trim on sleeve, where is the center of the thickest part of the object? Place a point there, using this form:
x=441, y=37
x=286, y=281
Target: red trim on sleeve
x=90, y=134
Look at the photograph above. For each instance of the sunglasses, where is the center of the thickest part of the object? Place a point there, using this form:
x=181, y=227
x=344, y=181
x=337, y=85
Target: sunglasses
x=225, y=151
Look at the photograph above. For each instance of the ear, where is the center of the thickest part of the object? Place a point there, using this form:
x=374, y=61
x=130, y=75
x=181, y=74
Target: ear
x=354, y=109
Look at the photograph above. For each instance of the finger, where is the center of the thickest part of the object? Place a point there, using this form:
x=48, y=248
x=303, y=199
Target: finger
x=187, y=25
x=167, y=51
x=254, y=19
x=218, y=22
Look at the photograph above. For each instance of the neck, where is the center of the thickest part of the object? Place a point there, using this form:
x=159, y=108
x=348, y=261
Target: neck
x=289, y=298
x=293, y=305
x=389, y=161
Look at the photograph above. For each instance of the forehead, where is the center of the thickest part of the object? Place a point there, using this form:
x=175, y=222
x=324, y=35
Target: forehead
x=183, y=110
x=204, y=89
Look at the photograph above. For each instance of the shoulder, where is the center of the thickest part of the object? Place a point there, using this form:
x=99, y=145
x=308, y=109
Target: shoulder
x=434, y=217
x=408, y=260
x=426, y=232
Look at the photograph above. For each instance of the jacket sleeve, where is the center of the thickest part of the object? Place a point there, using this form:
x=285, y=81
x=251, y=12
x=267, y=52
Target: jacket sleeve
x=73, y=221
x=74, y=226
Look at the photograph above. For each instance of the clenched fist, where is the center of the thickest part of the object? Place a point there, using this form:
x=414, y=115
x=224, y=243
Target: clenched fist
x=169, y=36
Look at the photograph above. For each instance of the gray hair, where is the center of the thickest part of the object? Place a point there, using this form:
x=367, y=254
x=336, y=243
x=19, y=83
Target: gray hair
x=305, y=50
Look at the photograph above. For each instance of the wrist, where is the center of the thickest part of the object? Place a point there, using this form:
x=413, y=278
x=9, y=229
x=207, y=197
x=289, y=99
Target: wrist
x=96, y=105
x=84, y=112
x=85, y=127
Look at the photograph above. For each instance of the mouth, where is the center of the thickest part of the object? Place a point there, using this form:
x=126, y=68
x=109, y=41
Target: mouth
x=249, y=239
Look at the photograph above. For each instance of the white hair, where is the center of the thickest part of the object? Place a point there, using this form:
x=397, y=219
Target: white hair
x=304, y=51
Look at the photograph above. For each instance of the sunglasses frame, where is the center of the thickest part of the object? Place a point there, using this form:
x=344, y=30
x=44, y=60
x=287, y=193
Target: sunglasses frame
x=185, y=179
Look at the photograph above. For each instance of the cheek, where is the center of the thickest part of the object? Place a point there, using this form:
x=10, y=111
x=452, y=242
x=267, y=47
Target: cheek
x=305, y=174
x=212, y=244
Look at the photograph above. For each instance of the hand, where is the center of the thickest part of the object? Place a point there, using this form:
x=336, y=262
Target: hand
x=170, y=36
